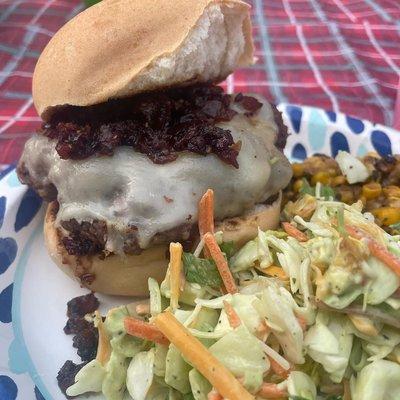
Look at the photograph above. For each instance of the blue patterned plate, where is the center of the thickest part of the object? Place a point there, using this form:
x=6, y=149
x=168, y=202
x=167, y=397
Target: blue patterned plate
x=34, y=293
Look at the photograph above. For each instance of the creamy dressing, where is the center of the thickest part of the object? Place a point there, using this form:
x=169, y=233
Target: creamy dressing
x=128, y=189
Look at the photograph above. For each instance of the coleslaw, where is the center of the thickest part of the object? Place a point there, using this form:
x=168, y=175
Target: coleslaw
x=310, y=311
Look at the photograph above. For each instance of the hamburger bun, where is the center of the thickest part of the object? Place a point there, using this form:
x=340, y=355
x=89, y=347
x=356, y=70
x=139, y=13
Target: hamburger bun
x=127, y=275
x=154, y=45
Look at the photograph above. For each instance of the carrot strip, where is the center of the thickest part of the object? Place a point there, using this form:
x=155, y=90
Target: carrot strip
x=278, y=369
x=376, y=249
x=144, y=330
x=294, y=232
x=214, y=395
x=221, y=263
x=103, y=346
x=302, y=322
x=233, y=318
x=206, y=213
x=271, y=391
x=198, y=355
x=262, y=330
x=175, y=265
x=206, y=216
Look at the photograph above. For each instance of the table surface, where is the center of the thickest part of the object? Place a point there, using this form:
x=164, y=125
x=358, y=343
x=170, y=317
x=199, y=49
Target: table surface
x=340, y=55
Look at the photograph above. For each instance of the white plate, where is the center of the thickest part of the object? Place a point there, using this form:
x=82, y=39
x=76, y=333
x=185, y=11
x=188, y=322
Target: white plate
x=34, y=293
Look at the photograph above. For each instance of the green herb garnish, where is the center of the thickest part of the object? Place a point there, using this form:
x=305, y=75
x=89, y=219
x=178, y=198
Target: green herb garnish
x=326, y=191
x=201, y=270
x=228, y=248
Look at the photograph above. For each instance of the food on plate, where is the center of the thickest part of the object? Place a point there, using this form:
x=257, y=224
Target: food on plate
x=372, y=179
x=310, y=310
x=135, y=130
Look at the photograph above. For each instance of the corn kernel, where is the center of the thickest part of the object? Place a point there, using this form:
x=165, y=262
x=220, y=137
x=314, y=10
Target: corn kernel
x=387, y=215
x=393, y=202
x=322, y=177
x=331, y=172
x=371, y=190
x=338, y=180
x=363, y=200
x=298, y=170
x=297, y=185
x=392, y=191
x=347, y=196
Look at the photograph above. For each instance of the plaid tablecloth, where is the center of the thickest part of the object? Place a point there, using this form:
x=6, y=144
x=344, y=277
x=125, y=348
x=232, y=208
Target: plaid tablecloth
x=341, y=55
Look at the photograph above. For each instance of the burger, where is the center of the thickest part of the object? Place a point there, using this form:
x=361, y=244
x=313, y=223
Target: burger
x=135, y=130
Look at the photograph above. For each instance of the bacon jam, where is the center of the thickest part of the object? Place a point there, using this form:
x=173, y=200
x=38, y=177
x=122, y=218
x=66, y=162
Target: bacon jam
x=158, y=124
x=85, y=338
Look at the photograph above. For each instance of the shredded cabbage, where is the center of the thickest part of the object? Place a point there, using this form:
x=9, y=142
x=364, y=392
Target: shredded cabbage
x=300, y=384
x=240, y=351
x=379, y=380
x=88, y=379
x=140, y=374
x=329, y=343
x=352, y=168
x=334, y=317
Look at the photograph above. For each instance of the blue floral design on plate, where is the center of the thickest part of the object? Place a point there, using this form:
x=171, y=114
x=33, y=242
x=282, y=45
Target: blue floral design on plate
x=8, y=252
x=38, y=395
x=8, y=388
x=295, y=114
x=28, y=208
x=338, y=142
x=356, y=125
x=299, y=152
x=381, y=142
x=331, y=115
x=5, y=304
x=3, y=202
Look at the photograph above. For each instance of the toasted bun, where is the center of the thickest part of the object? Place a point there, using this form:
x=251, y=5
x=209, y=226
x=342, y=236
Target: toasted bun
x=118, y=48
x=127, y=275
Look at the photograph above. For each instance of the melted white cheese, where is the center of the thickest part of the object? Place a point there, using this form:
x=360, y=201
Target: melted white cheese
x=129, y=189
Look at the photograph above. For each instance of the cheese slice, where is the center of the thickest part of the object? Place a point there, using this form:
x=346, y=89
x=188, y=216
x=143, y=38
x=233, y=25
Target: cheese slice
x=129, y=190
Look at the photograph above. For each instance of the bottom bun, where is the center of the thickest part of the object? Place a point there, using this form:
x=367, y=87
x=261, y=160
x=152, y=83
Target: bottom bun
x=127, y=275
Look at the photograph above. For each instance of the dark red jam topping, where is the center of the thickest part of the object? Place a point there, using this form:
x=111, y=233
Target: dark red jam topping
x=66, y=375
x=82, y=305
x=85, y=338
x=159, y=124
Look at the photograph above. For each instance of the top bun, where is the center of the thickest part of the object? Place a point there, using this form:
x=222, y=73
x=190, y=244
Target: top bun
x=118, y=48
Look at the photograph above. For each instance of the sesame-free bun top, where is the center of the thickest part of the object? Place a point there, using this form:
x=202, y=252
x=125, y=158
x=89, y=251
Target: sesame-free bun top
x=118, y=48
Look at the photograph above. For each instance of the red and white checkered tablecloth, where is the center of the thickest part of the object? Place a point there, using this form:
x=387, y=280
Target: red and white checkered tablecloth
x=341, y=55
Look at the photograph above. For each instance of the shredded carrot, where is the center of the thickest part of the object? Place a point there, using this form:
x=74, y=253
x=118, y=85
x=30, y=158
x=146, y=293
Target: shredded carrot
x=144, y=330
x=278, y=369
x=302, y=322
x=221, y=263
x=294, y=232
x=376, y=249
x=233, y=318
x=262, y=329
x=214, y=395
x=346, y=390
x=206, y=216
x=274, y=271
x=271, y=391
x=199, y=356
x=206, y=213
x=175, y=265
x=103, y=346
